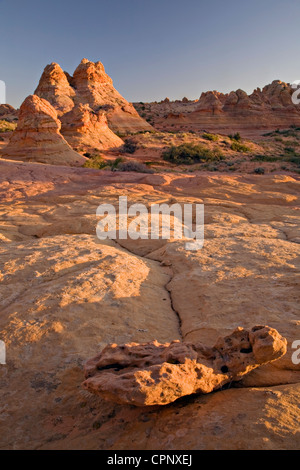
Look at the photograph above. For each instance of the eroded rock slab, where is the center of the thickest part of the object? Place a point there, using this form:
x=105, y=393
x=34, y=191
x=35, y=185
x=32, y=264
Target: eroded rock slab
x=158, y=374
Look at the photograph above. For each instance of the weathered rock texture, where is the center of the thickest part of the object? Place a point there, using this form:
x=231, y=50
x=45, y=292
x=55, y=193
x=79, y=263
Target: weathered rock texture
x=158, y=374
x=37, y=137
x=89, y=85
x=8, y=112
x=264, y=109
x=86, y=129
x=65, y=295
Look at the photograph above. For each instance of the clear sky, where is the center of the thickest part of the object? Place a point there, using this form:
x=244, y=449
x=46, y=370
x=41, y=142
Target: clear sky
x=152, y=49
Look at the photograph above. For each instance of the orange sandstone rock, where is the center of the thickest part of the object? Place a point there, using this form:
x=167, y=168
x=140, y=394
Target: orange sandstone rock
x=89, y=85
x=158, y=374
x=37, y=137
x=84, y=128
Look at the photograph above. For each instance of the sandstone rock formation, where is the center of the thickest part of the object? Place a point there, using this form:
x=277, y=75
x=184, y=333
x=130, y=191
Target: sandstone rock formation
x=54, y=87
x=86, y=129
x=8, y=112
x=65, y=295
x=158, y=374
x=262, y=110
x=37, y=137
x=89, y=85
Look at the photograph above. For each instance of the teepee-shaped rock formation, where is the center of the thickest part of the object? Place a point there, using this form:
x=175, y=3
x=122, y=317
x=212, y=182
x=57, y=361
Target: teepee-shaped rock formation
x=89, y=85
x=84, y=128
x=37, y=137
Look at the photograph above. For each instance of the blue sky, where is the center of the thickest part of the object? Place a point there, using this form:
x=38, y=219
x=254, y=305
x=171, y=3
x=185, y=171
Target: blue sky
x=152, y=49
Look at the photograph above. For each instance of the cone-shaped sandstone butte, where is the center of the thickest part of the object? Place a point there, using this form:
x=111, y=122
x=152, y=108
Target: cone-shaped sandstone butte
x=37, y=137
x=89, y=85
x=158, y=374
x=84, y=128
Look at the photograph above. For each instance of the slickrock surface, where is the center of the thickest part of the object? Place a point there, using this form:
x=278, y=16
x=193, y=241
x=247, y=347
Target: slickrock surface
x=158, y=374
x=37, y=137
x=90, y=85
x=264, y=109
x=64, y=295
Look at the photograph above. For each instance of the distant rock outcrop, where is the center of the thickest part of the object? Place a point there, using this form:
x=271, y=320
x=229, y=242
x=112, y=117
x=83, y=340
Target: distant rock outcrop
x=37, y=137
x=8, y=112
x=158, y=374
x=266, y=109
x=89, y=85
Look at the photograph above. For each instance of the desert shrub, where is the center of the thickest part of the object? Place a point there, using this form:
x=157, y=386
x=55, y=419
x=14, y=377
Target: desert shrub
x=292, y=132
x=129, y=146
x=259, y=171
x=114, y=165
x=6, y=126
x=97, y=162
x=190, y=153
x=212, y=137
x=289, y=150
x=134, y=166
x=236, y=136
x=295, y=159
x=237, y=147
x=265, y=158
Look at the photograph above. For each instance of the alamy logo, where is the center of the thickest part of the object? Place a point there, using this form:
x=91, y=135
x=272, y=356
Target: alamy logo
x=296, y=86
x=136, y=222
x=296, y=354
x=2, y=353
x=2, y=92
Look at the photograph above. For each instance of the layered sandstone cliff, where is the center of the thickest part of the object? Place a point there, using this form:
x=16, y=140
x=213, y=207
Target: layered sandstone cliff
x=264, y=109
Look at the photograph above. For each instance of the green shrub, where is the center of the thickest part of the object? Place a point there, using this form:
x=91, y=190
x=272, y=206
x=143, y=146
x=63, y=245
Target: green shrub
x=289, y=150
x=134, y=166
x=97, y=162
x=295, y=159
x=212, y=137
x=190, y=153
x=6, y=126
x=116, y=163
x=237, y=147
x=236, y=136
x=265, y=158
x=129, y=146
x=259, y=171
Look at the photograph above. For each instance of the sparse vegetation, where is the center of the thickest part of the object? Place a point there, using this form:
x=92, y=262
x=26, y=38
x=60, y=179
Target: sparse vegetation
x=190, y=153
x=116, y=163
x=6, y=126
x=237, y=147
x=259, y=171
x=211, y=137
x=237, y=137
x=129, y=146
x=134, y=166
x=266, y=158
x=97, y=162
